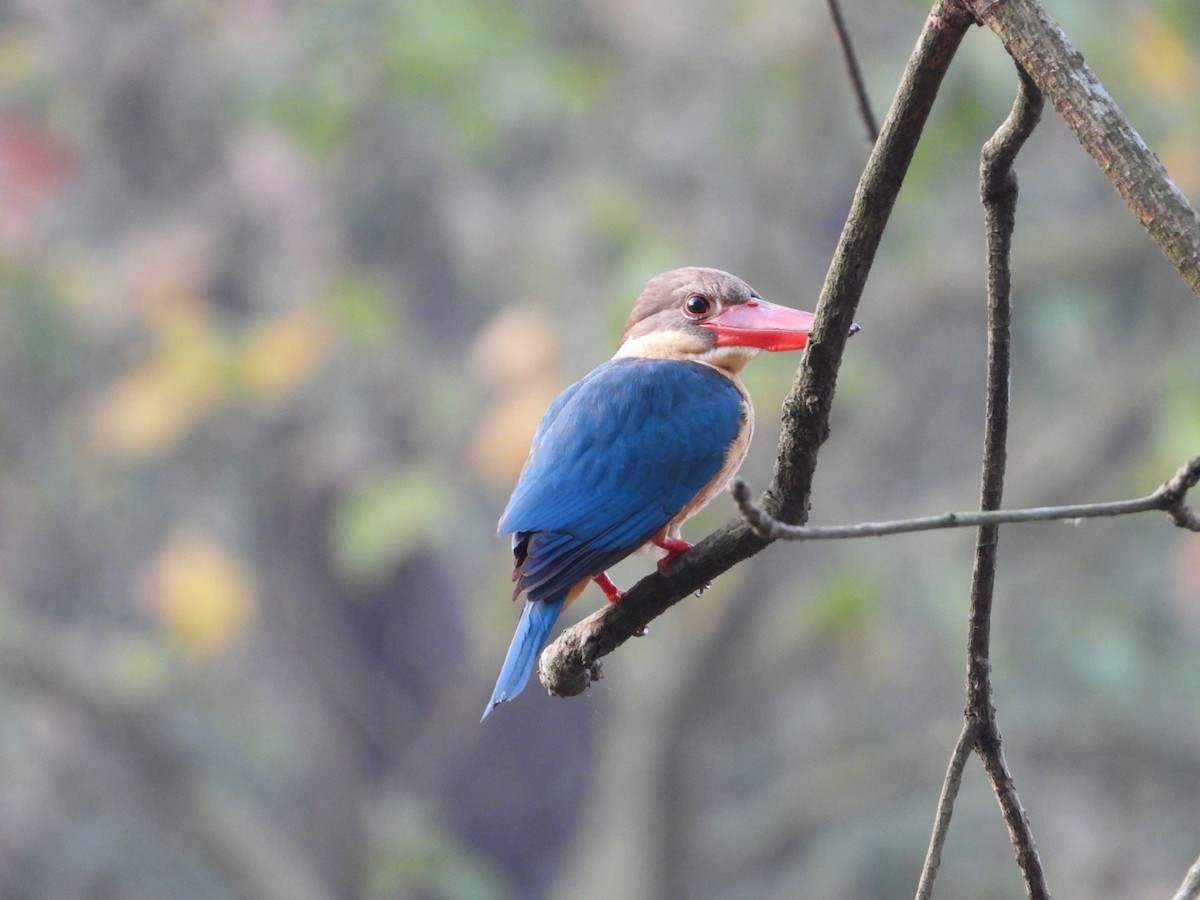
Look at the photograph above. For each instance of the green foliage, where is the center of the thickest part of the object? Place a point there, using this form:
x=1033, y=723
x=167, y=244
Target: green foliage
x=388, y=516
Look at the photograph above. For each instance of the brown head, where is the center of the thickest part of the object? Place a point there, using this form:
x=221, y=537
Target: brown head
x=709, y=316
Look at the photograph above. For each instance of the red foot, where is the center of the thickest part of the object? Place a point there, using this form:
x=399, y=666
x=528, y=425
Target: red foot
x=611, y=591
x=675, y=547
x=614, y=595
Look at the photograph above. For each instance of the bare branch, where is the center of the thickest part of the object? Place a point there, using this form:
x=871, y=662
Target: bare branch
x=856, y=79
x=998, y=186
x=1039, y=46
x=941, y=823
x=768, y=527
x=1167, y=498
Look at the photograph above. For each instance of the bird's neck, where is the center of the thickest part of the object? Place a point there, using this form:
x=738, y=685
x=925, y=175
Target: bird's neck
x=727, y=360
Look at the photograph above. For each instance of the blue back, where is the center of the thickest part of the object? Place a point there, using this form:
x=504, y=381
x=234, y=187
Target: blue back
x=617, y=456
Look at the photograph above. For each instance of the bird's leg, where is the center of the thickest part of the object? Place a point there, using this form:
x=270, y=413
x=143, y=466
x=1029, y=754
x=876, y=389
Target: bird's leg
x=611, y=591
x=614, y=595
x=675, y=547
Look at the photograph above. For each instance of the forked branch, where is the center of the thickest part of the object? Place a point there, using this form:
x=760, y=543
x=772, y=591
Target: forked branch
x=998, y=186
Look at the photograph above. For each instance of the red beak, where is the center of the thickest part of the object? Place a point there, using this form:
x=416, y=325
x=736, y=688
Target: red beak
x=757, y=323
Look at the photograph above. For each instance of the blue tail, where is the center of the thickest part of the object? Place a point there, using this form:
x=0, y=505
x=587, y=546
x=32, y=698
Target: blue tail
x=537, y=619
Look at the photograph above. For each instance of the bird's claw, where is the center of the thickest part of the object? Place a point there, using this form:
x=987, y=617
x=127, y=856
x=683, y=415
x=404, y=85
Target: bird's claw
x=615, y=595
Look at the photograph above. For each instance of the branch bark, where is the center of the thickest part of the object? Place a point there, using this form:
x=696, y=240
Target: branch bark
x=1040, y=47
x=567, y=666
x=1190, y=889
x=980, y=729
x=945, y=808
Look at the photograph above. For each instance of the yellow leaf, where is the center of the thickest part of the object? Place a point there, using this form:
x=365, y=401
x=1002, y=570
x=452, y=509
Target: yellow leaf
x=194, y=354
x=280, y=356
x=202, y=595
x=152, y=407
x=143, y=415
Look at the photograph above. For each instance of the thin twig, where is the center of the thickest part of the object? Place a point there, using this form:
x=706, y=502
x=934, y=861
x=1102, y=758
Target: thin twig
x=856, y=79
x=945, y=809
x=1166, y=498
x=999, y=190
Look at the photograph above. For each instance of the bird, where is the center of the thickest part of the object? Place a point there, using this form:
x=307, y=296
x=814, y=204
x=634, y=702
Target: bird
x=623, y=457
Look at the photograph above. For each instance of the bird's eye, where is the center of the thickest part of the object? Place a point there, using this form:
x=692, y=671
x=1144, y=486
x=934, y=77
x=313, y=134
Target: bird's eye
x=697, y=305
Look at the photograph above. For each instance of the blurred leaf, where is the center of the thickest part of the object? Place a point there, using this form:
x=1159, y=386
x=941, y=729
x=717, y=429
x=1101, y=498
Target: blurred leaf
x=362, y=310
x=384, y=520
x=520, y=342
x=842, y=603
x=500, y=444
x=515, y=358
x=34, y=166
x=415, y=859
x=202, y=595
x=42, y=336
x=144, y=414
x=282, y=354
x=151, y=408
x=194, y=369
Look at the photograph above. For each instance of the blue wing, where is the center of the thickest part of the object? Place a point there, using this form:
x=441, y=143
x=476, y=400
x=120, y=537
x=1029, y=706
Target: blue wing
x=617, y=456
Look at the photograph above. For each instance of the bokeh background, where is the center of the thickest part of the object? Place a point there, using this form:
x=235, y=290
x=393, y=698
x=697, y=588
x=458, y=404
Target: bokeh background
x=286, y=287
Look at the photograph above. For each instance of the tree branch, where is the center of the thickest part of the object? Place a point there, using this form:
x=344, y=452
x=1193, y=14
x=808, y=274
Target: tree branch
x=568, y=664
x=856, y=79
x=998, y=186
x=1039, y=46
x=941, y=823
x=1168, y=498
x=806, y=409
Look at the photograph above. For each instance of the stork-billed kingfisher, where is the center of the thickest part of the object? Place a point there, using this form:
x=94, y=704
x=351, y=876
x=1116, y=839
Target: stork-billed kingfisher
x=624, y=457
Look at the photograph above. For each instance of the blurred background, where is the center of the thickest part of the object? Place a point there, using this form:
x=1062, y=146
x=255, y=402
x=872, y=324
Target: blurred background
x=286, y=287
